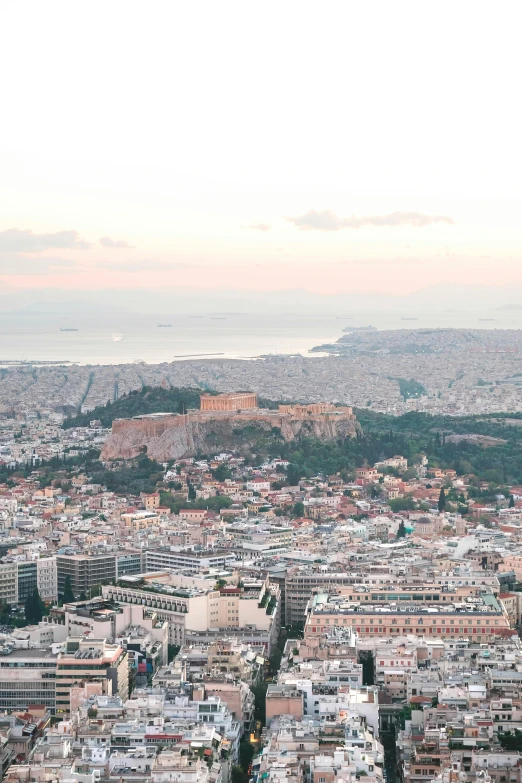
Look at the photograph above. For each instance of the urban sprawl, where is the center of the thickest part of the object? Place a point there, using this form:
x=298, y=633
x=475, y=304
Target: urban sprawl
x=235, y=617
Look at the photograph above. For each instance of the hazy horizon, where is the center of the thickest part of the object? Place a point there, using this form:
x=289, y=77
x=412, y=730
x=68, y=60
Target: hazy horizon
x=439, y=299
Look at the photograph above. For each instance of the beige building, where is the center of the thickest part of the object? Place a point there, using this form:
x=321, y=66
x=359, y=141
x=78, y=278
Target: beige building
x=421, y=611
x=228, y=402
x=255, y=606
x=9, y=583
x=140, y=520
x=90, y=659
x=284, y=700
x=512, y=603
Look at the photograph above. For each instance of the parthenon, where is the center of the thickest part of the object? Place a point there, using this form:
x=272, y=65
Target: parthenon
x=228, y=402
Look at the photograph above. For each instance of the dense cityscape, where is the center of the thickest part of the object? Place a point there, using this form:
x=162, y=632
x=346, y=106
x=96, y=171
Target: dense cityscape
x=289, y=607
x=453, y=372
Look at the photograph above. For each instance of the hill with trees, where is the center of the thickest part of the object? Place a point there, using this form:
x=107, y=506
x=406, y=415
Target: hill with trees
x=412, y=435
x=149, y=399
x=137, y=403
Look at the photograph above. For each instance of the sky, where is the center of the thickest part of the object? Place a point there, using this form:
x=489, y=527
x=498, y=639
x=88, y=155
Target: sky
x=336, y=147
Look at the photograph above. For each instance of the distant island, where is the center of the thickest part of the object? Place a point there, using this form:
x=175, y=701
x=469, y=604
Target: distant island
x=360, y=329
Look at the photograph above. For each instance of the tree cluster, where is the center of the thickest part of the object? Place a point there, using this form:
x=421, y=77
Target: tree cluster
x=34, y=608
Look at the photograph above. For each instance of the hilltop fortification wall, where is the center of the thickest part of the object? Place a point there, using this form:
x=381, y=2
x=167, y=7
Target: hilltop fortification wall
x=174, y=436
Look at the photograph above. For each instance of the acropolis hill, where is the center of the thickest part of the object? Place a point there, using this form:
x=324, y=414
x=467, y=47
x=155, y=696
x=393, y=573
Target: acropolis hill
x=214, y=426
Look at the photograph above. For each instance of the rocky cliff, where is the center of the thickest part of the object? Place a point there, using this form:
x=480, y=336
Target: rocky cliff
x=177, y=436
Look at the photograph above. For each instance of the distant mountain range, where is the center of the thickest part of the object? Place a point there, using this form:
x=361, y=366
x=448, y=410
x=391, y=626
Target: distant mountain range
x=437, y=298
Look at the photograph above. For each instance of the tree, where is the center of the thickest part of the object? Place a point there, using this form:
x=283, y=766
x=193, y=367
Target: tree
x=299, y=509
x=29, y=610
x=246, y=754
x=34, y=608
x=293, y=474
x=38, y=605
x=511, y=501
x=191, y=492
x=259, y=692
x=442, y=500
x=83, y=597
x=68, y=595
x=401, y=532
x=510, y=740
x=238, y=776
x=222, y=472
x=406, y=503
x=368, y=667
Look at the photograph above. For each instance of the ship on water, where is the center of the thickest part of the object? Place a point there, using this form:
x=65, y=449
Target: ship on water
x=67, y=329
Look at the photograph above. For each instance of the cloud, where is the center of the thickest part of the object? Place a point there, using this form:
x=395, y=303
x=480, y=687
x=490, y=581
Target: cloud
x=114, y=243
x=261, y=226
x=326, y=220
x=12, y=264
x=18, y=241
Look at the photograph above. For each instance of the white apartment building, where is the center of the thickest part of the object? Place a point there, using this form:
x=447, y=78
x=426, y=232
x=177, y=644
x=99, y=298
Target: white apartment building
x=47, y=578
x=205, y=610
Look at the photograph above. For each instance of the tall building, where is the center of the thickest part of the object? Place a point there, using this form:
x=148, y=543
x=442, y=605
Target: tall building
x=85, y=660
x=9, y=583
x=27, y=579
x=27, y=676
x=86, y=571
x=47, y=578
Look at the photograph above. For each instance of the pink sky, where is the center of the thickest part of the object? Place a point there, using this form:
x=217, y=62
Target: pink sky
x=331, y=149
x=396, y=276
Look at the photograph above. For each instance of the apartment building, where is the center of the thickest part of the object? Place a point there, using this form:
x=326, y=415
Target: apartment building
x=89, y=659
x=188, y=561
x=27, y=676
x=27, y=579
x=140, y=520
x=301, y=585
x=261, y=537
x=85, y=571
x=102, y=620
x=9, y=583
x=47, y=578
x=253, y=607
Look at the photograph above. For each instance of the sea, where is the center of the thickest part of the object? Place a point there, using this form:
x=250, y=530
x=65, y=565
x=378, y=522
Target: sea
x=123, y=338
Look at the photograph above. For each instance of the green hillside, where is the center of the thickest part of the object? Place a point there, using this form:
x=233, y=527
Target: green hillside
x=136, y=403
x=411, y=435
